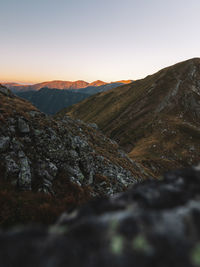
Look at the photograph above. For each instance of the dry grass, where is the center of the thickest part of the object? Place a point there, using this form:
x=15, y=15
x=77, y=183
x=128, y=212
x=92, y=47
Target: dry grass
x=10, y=107
x=128, y=114
x=32, y=207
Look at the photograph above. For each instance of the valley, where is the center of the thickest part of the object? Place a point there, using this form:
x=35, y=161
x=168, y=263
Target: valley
x=51, y=97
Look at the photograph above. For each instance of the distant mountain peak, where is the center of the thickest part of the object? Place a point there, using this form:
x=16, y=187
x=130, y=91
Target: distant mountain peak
x=64, y=85
x=61, y=85
x=97, y=83
x=125, y=81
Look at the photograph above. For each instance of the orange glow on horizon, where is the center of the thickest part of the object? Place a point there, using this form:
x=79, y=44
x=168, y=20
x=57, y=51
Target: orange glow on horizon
x=15, y=79
x=94, y=40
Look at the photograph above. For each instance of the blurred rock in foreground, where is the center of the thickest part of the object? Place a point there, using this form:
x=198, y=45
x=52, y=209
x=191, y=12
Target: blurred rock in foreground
x=156, y=223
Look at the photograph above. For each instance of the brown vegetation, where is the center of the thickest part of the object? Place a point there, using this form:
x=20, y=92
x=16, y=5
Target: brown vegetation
x=19, y=207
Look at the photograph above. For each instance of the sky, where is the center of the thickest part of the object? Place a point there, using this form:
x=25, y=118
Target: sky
x=110, y=40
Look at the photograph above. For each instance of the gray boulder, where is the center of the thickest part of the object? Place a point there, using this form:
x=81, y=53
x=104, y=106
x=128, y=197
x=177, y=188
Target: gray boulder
x=4, y=143
x=23, y=126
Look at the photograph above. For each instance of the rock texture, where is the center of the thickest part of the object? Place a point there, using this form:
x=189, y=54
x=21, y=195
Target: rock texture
x=36, y=149
x=156, y=223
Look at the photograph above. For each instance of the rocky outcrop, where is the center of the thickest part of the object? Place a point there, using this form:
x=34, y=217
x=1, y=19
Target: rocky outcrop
x=36, y=149
x=156, y=223
x=4, y=143
x=23, y=126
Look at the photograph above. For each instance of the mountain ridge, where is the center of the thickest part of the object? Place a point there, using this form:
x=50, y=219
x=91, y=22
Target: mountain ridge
x=52, y=100
x=151, y=117
x=59, y=84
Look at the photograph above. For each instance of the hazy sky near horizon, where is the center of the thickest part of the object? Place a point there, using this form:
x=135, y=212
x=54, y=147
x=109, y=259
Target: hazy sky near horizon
x=95, y=39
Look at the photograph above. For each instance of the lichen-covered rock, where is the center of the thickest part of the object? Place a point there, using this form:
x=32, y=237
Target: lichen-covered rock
x=12, y=168
x=23, y=126
x=154, y=224
x=25, y=179
x=93, y=125
x=4, y=143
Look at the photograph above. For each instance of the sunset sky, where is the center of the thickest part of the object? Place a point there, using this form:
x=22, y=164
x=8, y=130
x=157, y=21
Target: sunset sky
x=95, y=39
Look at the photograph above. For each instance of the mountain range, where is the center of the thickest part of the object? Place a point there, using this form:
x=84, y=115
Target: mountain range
x=155, y=119
x=51, y=100
x=64, y=85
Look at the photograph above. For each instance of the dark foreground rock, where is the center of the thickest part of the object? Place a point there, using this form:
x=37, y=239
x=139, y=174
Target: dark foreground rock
x=156, y=223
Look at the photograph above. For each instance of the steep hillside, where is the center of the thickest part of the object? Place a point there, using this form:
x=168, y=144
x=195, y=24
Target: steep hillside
x=48, y=165
x=51, y=101
x=156, y=119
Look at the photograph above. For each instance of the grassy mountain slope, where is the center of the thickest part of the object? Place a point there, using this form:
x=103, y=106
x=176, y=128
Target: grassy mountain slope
x=156, y=119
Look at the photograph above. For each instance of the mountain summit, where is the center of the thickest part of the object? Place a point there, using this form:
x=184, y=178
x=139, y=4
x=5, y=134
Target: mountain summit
x=97, y=83
x=156, y=119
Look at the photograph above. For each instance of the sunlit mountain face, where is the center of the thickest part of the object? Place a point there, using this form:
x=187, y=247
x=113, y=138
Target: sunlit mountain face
x=65, y=85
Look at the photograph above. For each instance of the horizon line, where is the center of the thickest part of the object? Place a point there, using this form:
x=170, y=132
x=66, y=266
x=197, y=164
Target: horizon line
x=73, y=81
